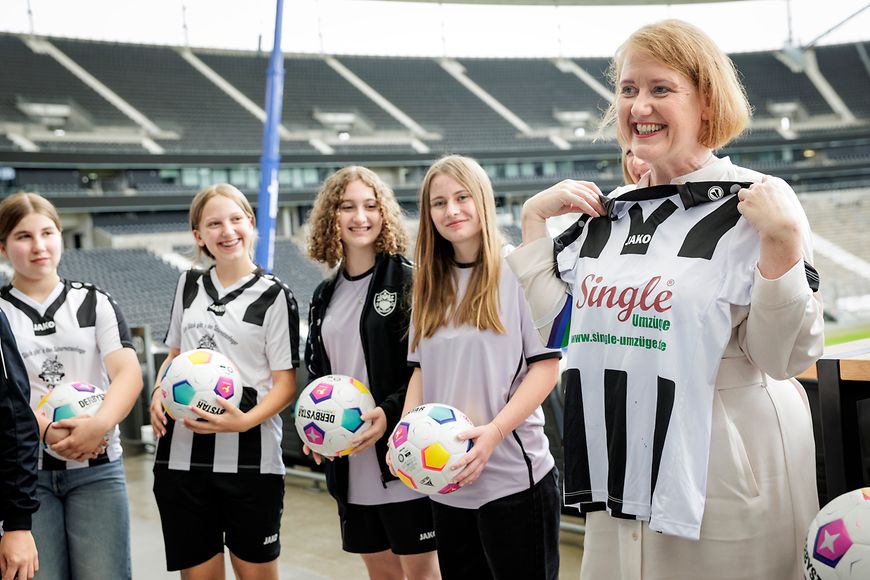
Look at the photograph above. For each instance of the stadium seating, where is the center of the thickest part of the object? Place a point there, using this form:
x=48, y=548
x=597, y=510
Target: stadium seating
x=141, y=283
x=172, y=95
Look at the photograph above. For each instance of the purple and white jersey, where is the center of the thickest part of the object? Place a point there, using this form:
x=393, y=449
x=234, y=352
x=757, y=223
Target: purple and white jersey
x=65, y=339
x=478, y=372
x=647, y=323
x=255, y=323
x=341, y=339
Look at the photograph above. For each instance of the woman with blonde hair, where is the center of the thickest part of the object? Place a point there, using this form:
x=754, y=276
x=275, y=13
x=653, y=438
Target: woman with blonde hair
x=70, y=331
x=234, y=459
x=686, y=304
x=473, y=345
x=356, y=226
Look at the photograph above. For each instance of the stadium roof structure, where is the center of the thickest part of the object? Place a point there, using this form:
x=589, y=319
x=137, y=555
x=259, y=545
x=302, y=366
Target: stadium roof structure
x=570, y=2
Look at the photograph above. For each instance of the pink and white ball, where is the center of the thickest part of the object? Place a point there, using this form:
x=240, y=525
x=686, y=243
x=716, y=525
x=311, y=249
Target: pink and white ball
x=838, y=541
x=70, y=400
x=424, y=446
x=198, y=378
x=329, y=414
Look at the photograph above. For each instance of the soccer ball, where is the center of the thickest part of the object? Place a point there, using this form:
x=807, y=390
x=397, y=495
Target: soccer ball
x=423, y=447
x=67, y=401
x=328, y=414
x=838, y=542
x=196, y=378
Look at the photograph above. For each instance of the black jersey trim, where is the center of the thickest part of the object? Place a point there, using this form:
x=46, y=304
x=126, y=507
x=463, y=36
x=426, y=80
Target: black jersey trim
x=616, y=424
x=812, y=276
x=86, y=315
x=124, y=336
x=189, y=292
x=543, y=356
x=350, y=278
x=40, y=328
x=578, y=483
x=702, y=239
x=666, y=390
x=255, y=313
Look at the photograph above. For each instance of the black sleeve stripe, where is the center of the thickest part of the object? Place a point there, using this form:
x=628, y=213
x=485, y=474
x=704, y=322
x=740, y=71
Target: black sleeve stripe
x=292, y=323
x=123, y=330
x=414, y=364
x=812, y=277
x=255, y=313
x=87, y=312
x=190, y=289
x=543, y=356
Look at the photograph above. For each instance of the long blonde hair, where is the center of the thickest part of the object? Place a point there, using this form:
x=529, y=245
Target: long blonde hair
x=324, y=237
x=434, y=295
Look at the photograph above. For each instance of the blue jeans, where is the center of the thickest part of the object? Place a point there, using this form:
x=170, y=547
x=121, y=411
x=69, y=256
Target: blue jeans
x=82, y=527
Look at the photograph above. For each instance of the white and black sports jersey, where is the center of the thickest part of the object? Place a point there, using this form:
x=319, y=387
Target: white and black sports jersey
x=646, y=325
x=255, y=323
x=65, y=339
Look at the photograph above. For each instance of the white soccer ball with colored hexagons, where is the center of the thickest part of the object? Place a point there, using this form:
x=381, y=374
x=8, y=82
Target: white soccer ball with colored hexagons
x=70, y=400
x=424, y=446
x=198, y=378
x=838, y=541
x=329, y=411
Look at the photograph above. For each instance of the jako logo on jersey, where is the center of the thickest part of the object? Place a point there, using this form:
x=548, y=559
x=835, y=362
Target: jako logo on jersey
x=427, y=535
x=715, y=193
x=270, y=539
x=595, y=295
x=638, y=239
x=43, y=328
x=218, y=309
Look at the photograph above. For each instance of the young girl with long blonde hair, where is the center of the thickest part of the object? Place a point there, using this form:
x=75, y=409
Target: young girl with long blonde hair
x=474, y=346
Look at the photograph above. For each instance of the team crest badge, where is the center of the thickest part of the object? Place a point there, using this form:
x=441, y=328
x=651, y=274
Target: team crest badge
x=715, y=193
x=385, y=302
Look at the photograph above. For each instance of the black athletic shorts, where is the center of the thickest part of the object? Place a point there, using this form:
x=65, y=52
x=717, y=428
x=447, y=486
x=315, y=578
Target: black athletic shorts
x=202, y=511
x=405, y=527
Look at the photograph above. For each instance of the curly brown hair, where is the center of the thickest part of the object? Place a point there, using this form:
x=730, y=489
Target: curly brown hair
x=324, y=236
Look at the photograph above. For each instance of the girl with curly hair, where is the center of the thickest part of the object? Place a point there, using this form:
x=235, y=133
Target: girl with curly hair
x=356, y=226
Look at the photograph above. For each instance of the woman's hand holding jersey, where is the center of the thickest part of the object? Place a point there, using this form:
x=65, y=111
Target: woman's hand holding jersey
x=769, y=207
x=568, y=196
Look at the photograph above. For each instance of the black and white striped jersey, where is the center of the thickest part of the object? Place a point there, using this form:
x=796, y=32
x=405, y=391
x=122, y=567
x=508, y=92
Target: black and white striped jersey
x=646, y=325
x=65, y=339
x=255, y=323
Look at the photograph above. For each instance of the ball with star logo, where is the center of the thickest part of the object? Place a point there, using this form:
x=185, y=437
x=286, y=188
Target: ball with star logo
x=329, y=414
x=198, y=378
x=838, y=541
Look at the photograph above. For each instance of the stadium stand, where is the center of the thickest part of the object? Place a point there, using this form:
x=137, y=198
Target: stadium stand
x=522, y=93
x=310, y=84
x=170, y=93
x=769, y=81
x=435, y=100
x=39, y=78
x=139, y=281
x=294, y=268
x=141, y=223
x=842, y=66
